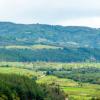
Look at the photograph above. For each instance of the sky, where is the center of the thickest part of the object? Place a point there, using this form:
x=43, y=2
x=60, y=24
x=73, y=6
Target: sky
x=54, y=12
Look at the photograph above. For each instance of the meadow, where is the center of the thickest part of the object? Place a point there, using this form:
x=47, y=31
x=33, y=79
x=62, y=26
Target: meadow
x=54, y=73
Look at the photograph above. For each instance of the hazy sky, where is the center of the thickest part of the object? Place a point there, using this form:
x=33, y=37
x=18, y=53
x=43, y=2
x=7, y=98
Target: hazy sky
x=62, y=12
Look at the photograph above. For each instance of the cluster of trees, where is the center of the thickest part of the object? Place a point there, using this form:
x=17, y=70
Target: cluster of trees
x=90, y=75
x=50, y=55
x=15, y=87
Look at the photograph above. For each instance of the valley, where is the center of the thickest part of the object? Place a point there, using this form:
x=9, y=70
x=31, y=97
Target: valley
x=47, y=73
x=49, y=62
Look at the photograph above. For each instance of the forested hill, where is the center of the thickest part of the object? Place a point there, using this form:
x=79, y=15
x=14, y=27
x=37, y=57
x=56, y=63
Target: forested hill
x=40, y=42
x=11, y=33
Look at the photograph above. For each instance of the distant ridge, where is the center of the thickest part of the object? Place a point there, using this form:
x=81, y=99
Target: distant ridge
x=78, y=43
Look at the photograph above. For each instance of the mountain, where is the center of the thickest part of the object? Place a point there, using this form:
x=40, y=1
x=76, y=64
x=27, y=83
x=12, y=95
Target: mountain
x=74, y=43
x=11, y=33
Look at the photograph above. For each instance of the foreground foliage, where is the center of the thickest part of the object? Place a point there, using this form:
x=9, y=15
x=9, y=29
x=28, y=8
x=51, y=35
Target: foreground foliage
x=15, y=87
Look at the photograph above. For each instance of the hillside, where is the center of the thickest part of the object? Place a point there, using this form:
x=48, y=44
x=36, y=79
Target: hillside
x=49, y=81
x=11, y=33
x=40, y=42
x=16, y=87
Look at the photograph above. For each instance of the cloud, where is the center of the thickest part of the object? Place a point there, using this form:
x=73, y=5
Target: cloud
x=48, y=11
x=92, y=22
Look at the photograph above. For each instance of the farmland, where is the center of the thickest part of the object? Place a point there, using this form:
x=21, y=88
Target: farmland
x=44, y=73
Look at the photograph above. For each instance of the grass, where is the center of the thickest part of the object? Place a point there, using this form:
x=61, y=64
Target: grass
x=44, y=47
x=60, y=81
x=75, y=90
x=33, y=47
x=36, y=65
x=19, y=71
x=72, y=88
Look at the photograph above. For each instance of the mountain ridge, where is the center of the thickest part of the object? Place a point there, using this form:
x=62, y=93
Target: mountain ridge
x=50, y=34
x=72, y=43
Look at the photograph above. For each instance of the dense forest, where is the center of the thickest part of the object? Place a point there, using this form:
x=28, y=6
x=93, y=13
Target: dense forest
x=50, y=55
x=74, y=44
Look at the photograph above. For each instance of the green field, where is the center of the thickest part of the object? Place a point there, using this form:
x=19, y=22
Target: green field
x=74, y=90
x=33, y=47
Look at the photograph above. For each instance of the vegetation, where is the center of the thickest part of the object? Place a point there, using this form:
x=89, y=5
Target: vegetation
x=15, y=87
x=50, y=55
x=90, y=75
x=71, y=36
x=55, y=76
x=46, y=62
x=31, y=47
x=36, y=42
